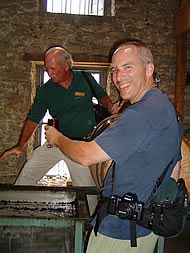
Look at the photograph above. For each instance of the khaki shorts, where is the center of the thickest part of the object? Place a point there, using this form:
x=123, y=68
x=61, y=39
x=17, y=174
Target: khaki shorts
x=104, y=244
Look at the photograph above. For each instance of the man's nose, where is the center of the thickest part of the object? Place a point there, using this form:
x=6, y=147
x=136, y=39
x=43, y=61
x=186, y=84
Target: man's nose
x=119, y=74
x=50, y=72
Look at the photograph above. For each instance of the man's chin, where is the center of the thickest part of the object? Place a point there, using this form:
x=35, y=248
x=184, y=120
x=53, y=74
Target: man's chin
x=124, y=95
x=53, y=80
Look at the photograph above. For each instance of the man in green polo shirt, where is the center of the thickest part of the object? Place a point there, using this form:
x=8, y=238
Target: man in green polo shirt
x=67, y=96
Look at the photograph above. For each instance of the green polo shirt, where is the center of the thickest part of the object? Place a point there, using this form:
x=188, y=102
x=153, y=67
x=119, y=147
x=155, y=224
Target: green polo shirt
x=73, y=106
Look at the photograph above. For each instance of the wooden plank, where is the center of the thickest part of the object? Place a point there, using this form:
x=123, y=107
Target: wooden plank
x=36, y=222
x=185, y=163
x=180, y=74
x=79, y=242
x=182, y=20
x=81, y=64
x=160, y=245
x=91, y=190
x=45, y=202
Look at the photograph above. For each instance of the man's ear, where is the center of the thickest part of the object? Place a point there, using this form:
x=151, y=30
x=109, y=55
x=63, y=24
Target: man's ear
x=149, y=69
x=66, y=66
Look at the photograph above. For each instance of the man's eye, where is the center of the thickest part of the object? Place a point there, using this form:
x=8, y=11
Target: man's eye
x=127, y=67
x=114, y=70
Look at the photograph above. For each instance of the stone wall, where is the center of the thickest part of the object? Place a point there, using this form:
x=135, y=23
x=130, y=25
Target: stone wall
x=26, y=33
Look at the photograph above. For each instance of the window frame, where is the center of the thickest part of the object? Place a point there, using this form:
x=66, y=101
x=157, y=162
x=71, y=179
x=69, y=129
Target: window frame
x=101, y=68
x=108, y=11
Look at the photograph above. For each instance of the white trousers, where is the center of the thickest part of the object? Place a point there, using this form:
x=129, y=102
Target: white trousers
x=43, y=159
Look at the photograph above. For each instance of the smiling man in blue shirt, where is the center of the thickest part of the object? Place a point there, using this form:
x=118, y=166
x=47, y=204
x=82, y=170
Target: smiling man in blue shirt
x=142, y=143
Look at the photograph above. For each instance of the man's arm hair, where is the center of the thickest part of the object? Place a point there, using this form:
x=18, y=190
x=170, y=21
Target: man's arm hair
x=82, y=152
x=27, y=131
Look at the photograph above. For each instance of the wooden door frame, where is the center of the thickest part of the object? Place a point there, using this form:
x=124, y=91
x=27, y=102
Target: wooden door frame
x=182, y=34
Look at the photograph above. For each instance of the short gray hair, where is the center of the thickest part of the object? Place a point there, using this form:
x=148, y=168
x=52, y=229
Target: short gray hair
x=143, y=51
x=65, y=56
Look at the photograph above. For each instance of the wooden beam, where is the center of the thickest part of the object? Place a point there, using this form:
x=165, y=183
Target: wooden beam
x=182, y=20
x=180, y=74
x=81, y=64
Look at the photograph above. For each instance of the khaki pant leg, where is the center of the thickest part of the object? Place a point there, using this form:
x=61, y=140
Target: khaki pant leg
x=42, y=160
x=104, y=244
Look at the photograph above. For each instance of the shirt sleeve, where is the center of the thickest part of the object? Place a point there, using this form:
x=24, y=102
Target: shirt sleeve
x=39, y=107
x=124, y=137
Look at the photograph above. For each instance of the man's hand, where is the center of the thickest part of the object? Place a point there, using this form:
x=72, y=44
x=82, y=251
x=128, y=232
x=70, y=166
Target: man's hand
x=176, y=171
x=116, y=107
x=13, y=151
x=26, y=133
x=52, y=134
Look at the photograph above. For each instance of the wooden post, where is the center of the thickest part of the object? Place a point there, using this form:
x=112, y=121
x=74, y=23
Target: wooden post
x=160, y=245
x=180, y=74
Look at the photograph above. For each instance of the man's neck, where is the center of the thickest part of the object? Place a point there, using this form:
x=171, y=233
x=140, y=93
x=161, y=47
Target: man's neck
x=68, y=79
x=149, y=85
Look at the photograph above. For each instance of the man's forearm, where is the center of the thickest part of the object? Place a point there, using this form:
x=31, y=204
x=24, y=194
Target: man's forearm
x=26, y=133
x=85, y=153
x=176, y=171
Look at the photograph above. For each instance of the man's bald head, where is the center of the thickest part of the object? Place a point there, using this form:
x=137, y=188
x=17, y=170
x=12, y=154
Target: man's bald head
x=62, y=53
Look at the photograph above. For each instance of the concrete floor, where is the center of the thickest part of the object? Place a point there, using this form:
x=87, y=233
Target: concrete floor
x=180, y=244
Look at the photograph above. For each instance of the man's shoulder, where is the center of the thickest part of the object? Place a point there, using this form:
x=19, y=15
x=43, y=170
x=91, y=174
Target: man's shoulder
x=79, y=73
x=76, y=72
x=46, y=85
x=45, y=89
x=153, y=106
x=151, y=101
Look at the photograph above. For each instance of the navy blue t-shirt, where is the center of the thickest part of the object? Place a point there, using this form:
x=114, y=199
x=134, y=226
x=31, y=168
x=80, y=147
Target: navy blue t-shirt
x=142, y=143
